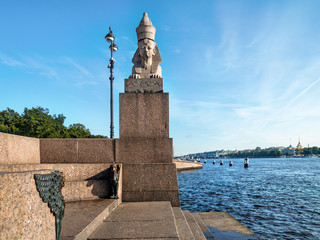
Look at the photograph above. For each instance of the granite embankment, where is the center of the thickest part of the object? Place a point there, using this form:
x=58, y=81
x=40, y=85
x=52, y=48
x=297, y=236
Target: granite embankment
x=187, y=165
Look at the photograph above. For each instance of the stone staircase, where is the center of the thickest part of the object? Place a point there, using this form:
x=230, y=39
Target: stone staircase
x=90, y=220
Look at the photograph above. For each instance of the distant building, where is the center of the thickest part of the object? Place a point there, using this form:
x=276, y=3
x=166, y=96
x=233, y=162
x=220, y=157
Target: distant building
x=299, y=150
x=289, y=151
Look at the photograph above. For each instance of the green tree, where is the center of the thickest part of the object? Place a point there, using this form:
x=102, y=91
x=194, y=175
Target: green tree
x=315, y=150
x=10, y=121
x=307, y=151
x=78, y=130
x=37, y=122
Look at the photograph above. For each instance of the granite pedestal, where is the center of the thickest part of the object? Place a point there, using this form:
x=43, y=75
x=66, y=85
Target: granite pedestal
x=145, y=149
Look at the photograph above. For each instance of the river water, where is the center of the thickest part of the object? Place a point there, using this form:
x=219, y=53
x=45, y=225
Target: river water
x=275, y=198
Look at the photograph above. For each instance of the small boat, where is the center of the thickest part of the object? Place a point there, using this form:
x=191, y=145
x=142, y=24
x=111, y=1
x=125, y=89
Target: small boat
x=214, y=162
x=205, y=161
x=198, y=159
x=230, y=163
x=221, y=162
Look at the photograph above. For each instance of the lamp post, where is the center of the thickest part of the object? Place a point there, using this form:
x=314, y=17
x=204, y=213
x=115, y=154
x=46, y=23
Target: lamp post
x=113, y=47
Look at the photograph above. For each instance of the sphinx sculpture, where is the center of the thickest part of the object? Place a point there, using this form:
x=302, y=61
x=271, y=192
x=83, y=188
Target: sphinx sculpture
x=147, y=58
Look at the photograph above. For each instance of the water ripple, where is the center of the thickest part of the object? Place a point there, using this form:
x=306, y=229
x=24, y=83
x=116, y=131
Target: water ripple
x=275, y=198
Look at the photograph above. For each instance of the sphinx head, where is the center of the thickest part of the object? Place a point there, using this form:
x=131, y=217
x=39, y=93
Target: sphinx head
x=147, y=49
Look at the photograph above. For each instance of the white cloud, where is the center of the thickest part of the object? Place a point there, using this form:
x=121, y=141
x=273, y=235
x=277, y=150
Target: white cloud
x=82, y=69
x=10, y=61
x=30, y=63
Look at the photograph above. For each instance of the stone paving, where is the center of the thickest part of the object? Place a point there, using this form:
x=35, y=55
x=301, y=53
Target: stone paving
x=138, y=220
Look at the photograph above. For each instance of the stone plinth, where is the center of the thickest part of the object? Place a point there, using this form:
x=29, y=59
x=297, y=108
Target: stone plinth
x=150, y=182
x=143, y=85
x=144, y=115
x=144, y=150
x=23, y=213
x=54, y=150
x=18, y=149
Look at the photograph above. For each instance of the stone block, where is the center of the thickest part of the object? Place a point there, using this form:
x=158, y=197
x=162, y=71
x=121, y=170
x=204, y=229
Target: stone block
x=150, y=177
x=150, y=182
x=23, y=213
x=143, y=85
x=54, y=150
x=16, y=149
x=95, y=150
x=144, y=115
x=144, y=150
x=159, y=177
x=76, y=150
x=131, y=177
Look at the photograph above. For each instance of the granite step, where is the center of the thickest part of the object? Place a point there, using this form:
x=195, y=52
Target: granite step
x=83, y=217
x=195, y=229
x=138, y=220
x=206, y=232
x=184, y=231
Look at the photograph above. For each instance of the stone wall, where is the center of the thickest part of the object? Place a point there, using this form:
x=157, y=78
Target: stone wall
x=82, y=181
x=23, y=213
x=16, y=149
x=76, y=150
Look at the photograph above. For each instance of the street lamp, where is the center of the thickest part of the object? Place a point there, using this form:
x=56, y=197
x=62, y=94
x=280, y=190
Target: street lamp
x=113, y=48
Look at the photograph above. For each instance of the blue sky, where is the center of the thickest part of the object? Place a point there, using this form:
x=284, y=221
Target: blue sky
x=240, y=74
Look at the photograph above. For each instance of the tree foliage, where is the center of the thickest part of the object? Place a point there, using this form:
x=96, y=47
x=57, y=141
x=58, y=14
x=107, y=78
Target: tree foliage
x=311, y=151
x=37, y=122
x=257, y=153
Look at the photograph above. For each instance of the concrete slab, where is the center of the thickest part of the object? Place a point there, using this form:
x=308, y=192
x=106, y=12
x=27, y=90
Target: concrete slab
x=81, y=218
x=223, y=226
x=206, y=232
x=182, y=225
x=184, y=166
x=138, y=220
x=195, y=229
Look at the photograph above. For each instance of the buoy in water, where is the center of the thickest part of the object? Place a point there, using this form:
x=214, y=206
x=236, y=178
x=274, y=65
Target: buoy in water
x=221, y=162
x=214, y=162
x=205, y=161
x=246, y=162
x=230, y=163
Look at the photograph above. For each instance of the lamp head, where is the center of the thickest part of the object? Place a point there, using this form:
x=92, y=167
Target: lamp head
x=114, y=47
x=109, y=37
